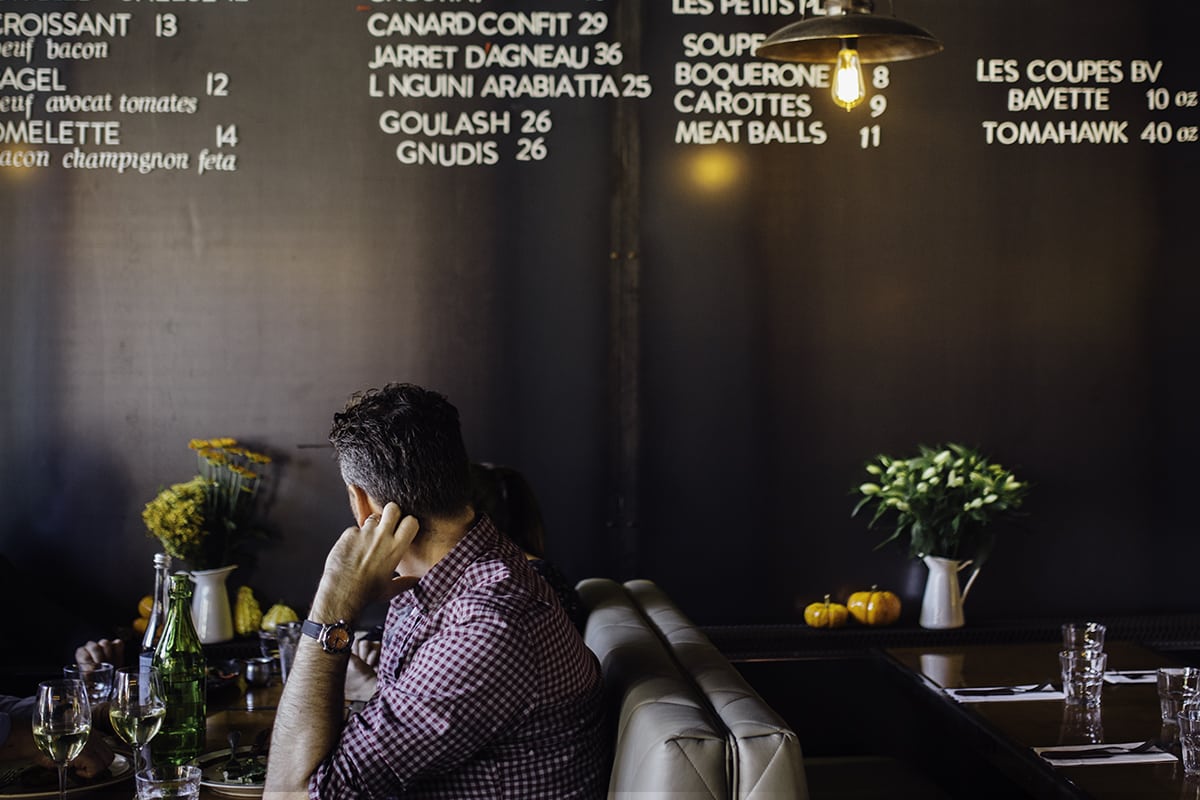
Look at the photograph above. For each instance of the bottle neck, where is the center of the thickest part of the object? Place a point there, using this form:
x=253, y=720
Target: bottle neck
x=158, y=611
x=179, y=634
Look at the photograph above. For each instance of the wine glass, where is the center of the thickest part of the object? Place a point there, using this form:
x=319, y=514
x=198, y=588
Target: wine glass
x=137, y=707
x=62, y=721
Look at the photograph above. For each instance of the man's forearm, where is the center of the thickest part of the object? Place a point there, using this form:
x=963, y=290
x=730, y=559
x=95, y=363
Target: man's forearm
x=358, y=569
x=309, y=720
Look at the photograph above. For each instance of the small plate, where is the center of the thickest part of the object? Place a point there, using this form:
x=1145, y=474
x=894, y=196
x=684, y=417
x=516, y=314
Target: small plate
x=211, y=778
x=119, y=770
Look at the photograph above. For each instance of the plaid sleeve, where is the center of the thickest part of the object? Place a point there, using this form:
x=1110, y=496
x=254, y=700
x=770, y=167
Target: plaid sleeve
x=460, y=687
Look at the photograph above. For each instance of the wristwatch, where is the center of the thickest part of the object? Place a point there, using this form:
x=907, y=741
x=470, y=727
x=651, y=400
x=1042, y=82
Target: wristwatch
x=335, y=637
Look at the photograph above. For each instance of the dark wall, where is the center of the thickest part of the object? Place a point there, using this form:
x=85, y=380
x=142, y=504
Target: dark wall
x=824, y=303
x=837, y=302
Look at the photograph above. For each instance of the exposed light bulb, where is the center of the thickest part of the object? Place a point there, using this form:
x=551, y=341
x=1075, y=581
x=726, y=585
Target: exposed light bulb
x=849, y=87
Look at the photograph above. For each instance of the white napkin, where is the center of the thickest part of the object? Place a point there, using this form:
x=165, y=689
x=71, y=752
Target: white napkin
x=1022, y=692
x=1131, y=758
x=1131, y=676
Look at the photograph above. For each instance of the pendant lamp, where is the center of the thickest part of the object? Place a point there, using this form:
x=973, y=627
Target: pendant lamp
x=849, y=35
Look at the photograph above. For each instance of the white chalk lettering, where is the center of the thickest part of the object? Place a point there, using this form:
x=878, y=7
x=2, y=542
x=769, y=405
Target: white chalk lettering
x=726, y=75
x=464, y=23
x=32, y=79
x=726, y=45
x=743, y=104
x=420, y=84
x=1086, y=71
x=526, y=56
x=77, y=103
x=785, y=132
x=709, y=131
x=543, y=86
x=1063, y=132
x=24, y=158
x=63, y=23
x=143, y=163
x=80, y=51
x=70, y=131
x=448, y=154
x=1059, y=98
x=414, y=56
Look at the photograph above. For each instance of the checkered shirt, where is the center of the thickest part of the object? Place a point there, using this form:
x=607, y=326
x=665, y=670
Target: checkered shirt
x=486, y=690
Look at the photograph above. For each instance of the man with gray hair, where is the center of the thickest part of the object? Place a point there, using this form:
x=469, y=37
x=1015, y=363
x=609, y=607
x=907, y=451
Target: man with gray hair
x=485, y=687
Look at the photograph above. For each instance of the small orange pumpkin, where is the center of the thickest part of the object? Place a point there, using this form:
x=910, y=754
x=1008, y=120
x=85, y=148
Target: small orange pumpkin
x=874, y=607
x=825, y=614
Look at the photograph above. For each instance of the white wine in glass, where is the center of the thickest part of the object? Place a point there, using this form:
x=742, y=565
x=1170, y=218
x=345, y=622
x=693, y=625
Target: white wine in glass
x=137, y=708
x=62, y=722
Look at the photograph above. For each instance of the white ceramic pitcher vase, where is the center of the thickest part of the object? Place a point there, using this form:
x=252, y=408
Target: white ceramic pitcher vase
x=210, y=604
x=942, y=606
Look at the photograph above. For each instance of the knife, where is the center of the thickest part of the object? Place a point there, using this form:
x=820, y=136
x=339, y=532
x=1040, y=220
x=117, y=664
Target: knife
x=1002, y=691
x=1102, y=752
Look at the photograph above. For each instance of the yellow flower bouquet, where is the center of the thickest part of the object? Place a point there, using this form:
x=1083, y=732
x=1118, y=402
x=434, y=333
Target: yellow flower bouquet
x=205, y=520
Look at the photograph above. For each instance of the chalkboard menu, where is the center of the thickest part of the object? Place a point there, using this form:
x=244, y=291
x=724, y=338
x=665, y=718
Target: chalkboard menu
x=447, y=84
x=220, y=217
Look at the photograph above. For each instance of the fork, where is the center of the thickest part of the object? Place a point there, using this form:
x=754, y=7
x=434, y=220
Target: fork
x=234, y=737
x=12, y=774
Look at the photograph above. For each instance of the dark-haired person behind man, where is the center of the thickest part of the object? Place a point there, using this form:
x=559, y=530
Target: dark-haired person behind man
x=485, y=688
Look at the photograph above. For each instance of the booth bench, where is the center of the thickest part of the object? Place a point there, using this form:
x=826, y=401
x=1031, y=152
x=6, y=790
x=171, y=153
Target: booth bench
x=687, y=724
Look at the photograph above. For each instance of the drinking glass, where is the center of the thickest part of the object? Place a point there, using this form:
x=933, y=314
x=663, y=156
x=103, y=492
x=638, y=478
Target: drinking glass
x=1082, y=676
x=97, y=679
x=1176, y=685
x=1083, y=636
x=1189, y=739
x=137, y=708
x=180, y=782
x=288, y=634
x=62, y=722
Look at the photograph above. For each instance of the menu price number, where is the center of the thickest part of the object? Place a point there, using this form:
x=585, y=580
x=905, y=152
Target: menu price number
x=592, y=23
x=1161, y=99
x=1165, y=133
x=606, y=54
x=166, y=26
x=216, y=84
x=869, y=136
x=534, y=149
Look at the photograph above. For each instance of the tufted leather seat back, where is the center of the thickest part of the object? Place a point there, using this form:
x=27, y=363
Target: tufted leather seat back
x=764, y=753
x=667, y=741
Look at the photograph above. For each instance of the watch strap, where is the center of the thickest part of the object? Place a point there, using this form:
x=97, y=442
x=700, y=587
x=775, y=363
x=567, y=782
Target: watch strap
x=313, y=629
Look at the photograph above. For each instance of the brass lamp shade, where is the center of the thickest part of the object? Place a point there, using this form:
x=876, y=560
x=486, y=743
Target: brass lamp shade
x=817, y=40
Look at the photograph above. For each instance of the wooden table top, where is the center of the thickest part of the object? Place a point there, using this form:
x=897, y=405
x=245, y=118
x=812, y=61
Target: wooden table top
x=1127, y=713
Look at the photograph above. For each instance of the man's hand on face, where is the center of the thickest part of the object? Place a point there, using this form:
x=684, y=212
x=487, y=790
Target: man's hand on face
x=360, y=568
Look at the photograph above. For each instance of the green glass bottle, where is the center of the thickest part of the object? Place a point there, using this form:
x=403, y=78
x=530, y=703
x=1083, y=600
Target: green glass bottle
x=180, y=662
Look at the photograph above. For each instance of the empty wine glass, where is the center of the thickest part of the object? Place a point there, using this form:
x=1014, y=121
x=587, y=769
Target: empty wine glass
x=62, y=722
x=137, y=708
x=97, y=678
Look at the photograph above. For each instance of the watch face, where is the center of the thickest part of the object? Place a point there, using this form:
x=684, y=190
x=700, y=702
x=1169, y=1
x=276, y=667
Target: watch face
x=337, y=639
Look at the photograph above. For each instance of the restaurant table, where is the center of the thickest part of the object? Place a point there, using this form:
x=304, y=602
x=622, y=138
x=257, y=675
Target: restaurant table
x=1004, y=733
x=248, y=711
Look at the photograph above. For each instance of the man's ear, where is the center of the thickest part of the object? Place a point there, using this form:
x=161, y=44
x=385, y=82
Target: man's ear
x=361, y=504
